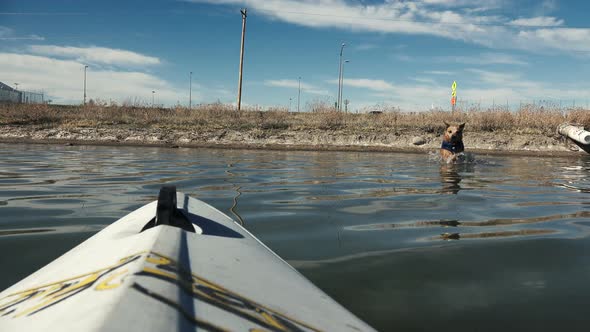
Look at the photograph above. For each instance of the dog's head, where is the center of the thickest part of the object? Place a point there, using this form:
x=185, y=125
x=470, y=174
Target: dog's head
x=453, y=133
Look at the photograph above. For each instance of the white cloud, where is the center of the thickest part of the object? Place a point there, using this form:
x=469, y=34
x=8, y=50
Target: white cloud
x=285, y=84
x=483, y=59
x=514, y=87
x=496, y=77
x=424, y=80
x=371, y=84
x=486, y=58
x=484, y=87
x=512, y=80
x=565, y=39
x=496, y=58
x=438, y=72
x=391, y=16
x=415, y=97
x=546, y=6
x=403, y=57
x=62, y=81
x=8, y=34
x=365, y=47
x=482, y=4
x=468, y=21
x=540, y=21
x=95, y=55
x=294, y=84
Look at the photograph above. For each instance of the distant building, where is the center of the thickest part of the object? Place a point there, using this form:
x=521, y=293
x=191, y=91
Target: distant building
x=9, y=95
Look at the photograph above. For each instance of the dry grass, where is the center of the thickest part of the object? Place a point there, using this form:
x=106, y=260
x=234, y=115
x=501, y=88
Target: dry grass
x=529, y=118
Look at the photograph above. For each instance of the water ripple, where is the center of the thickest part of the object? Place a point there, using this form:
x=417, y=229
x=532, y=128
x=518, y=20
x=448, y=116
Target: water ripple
x=349, y=221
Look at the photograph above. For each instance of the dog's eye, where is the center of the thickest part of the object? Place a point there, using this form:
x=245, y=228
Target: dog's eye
x=450, y=131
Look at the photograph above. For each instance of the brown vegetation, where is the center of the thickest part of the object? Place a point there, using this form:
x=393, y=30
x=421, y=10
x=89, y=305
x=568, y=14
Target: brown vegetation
x=528, y=119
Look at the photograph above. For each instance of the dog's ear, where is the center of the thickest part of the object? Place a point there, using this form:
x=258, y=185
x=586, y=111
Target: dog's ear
x=446, y=124
x=461, y=126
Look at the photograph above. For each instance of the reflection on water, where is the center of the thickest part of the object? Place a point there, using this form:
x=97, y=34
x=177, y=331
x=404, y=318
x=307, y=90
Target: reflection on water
x=450, y=172
x=491, y=243
x=450, y=178
x=24, y=231
x=232, y=209
x=487, y=235
x=581, y=215
x=54, y=230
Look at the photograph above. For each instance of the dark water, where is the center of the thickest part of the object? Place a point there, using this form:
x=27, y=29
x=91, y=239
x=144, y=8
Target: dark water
x=500, y=243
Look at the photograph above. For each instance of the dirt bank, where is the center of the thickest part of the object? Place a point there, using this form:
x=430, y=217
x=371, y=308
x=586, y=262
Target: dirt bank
x=548, y=144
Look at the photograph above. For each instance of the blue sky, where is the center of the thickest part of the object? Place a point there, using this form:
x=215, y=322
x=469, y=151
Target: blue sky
x=402, y=53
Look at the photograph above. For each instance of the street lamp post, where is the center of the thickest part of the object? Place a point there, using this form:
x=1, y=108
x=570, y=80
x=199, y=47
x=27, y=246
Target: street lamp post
x=153, y=92
x=339, y=101
x=190, y=90
x=290, y=100
x=85, y=67
x=299, y=94
x=342, y=84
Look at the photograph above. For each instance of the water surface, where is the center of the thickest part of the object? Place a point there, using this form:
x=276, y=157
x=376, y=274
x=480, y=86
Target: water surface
x=499, y=243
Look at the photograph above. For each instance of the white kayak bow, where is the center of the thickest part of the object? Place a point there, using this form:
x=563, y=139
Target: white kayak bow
x=177, y=264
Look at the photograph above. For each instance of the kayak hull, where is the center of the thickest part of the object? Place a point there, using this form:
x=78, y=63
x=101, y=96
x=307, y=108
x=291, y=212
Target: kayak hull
x=129, y=278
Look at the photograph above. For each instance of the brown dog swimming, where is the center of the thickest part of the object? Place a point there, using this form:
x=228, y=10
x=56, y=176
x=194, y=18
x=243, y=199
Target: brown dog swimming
x=452, y=143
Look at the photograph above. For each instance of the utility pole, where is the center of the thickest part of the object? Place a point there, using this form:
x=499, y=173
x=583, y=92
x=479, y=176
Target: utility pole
x=85, y=67
x=342, y=83
x=153, y=93
x=339, y=101
x=299, y=94
x=190, y=90
x=243, y=11
x=290, y=99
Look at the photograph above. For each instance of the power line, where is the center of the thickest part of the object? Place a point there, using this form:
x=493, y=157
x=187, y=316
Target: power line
x=42, y=13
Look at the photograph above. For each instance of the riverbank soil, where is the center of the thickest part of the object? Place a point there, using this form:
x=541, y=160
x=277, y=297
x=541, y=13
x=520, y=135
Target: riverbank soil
x=526, y=131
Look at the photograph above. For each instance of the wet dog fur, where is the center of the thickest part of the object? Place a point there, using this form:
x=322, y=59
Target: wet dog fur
x=452, y=143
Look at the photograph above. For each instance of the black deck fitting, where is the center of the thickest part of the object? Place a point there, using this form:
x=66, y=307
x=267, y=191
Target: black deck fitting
x=167, y=212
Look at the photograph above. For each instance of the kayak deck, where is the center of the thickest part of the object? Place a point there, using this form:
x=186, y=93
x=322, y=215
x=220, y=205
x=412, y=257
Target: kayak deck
x=133, y=277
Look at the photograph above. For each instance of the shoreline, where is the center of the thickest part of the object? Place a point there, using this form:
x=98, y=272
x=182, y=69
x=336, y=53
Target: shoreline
x=530, y=131
x=301, y=140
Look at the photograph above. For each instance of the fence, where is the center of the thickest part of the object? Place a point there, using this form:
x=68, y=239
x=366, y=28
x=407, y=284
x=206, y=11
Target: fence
x=25, y=97
x=28, y=97
x=514, y=105
x=10, y=96
x=563, y=105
